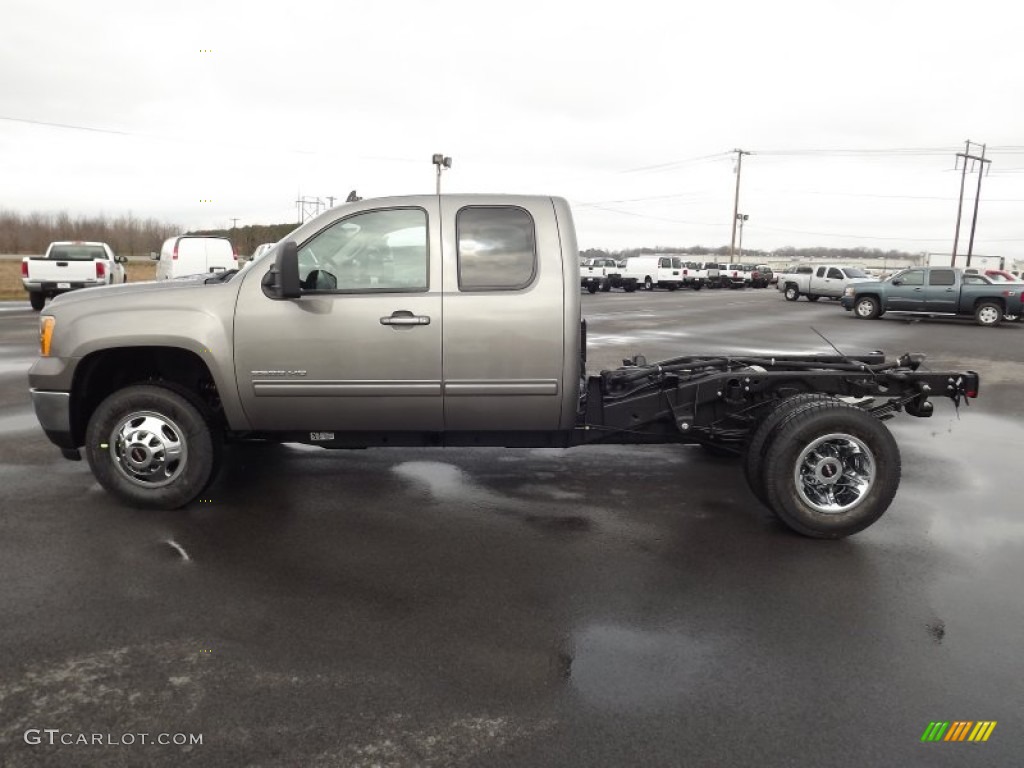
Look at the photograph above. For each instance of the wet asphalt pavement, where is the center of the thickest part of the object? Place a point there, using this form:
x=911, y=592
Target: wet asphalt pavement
x=603, y=606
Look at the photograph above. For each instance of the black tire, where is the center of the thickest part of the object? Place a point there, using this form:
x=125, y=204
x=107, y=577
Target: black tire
x=591, y=287
x=606, y=285
x=848, y=442
x=37, y=299
x=866, y=308
x=629, y=287
x=165, y=419
x=648, y=284
x=812, y=298
x=763, y=435
x=697, y=286
x=791, y=293
x=672, y=286
x=988, y=314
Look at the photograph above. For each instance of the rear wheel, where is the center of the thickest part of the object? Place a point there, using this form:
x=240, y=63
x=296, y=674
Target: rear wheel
x=866, y=308
x=764, y=434
x=648, y=284
x=988, y=314
x=606, y=285
x=591, y=287
x=698, y=286
x=831, y=471
x=152, y=447
x=791, y=293
x=37, y=299
x=813, y=298
x=629, y=287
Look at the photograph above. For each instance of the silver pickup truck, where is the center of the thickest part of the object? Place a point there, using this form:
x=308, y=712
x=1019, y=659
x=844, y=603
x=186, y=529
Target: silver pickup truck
x=444, y=320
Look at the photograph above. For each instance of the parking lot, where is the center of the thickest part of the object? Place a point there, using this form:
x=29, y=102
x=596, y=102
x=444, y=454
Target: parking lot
x=601, y=606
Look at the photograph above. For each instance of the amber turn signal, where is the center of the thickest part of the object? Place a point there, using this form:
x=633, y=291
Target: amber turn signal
x=46, y=324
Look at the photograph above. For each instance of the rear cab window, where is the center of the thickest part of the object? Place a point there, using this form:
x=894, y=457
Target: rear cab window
x=497, y=248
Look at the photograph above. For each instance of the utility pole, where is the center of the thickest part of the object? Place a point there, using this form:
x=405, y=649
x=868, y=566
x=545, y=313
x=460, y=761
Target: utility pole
x=977, y=199
x=967, y=156
x=736, y=201
x=234, y=223
x=330, y=201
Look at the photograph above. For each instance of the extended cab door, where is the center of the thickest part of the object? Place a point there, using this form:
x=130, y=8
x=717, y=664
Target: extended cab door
x=361, y=348
x=906, y=291
x=505, y=338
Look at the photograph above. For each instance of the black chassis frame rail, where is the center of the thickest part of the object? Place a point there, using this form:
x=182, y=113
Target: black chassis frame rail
x=719, y=400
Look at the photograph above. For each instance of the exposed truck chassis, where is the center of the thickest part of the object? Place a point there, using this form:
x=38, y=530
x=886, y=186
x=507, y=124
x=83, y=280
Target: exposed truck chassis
x=808, y=427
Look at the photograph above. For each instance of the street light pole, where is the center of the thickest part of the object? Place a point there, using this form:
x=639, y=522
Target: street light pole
x=741, y=217
x=442, y=162
x=736, y=201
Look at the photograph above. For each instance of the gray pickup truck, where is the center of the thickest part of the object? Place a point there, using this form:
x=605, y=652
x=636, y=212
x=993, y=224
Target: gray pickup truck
x=435, y=321
x=938, y=291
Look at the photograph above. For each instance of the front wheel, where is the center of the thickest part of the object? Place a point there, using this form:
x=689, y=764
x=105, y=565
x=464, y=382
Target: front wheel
x=591, y=287
x=866, y=308
x=37, y=299
x=606, y=285
x=648, y=284
x=988, y=314
x=791, y=293
x=831, y=471
x=152, y=447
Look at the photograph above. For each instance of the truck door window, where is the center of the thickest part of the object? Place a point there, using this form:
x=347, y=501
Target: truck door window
x=835, y=274
x=941, y=277
x=821, y=272
x=912, y=277
x=371, y=252
x=497, y=248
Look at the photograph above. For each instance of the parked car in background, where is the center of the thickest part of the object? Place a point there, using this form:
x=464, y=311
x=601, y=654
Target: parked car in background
x=814, y=282
x=937, y=291
x=694, y=275
x=761, y=276
x=194, y=255
x=999, y=275
x=600, y=274
x=68, y=265
x=654, y=272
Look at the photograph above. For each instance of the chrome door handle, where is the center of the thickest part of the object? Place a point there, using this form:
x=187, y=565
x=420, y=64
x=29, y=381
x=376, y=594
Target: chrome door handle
x=405, y=317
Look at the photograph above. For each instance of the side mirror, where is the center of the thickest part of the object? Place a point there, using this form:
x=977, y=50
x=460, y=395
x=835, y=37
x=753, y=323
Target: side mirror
x=282, y=279
x=897, y=281
x=154, y=256
x=121, y=259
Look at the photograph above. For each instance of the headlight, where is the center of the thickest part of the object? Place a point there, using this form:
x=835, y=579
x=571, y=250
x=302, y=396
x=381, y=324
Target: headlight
x=46, y=323
x=850, y=290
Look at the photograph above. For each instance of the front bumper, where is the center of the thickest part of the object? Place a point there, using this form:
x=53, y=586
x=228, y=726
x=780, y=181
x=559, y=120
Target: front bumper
x=847, y=302
x=53, y=409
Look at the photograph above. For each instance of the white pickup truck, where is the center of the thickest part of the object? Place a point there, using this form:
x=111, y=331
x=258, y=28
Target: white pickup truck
x=598, y=274
x=68, y=265
x=829, y=280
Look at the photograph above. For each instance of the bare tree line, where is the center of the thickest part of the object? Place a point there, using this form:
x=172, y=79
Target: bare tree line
x=28, y=234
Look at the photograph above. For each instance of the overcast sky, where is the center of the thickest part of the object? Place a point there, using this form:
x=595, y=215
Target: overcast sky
x=853, y=113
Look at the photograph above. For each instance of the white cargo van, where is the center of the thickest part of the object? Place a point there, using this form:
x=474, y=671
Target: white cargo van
x=654, y=272
x=194, y=255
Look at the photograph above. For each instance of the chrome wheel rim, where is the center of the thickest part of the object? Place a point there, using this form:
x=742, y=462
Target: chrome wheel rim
x=149, y=449
x=988, y=315
x=834, y=473
x=790, y=293
x=865, y=308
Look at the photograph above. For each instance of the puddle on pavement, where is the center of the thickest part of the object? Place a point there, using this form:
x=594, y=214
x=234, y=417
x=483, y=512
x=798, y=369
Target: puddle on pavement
x=629, y=669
